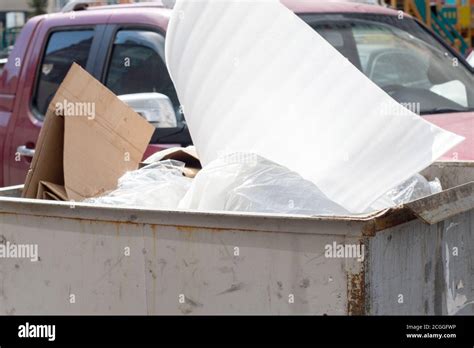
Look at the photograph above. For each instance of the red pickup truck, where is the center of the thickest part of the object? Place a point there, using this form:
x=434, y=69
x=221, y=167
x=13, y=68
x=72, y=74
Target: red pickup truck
x=123, y=47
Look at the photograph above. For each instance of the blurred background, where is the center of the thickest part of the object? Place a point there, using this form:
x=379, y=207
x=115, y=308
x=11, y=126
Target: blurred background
x=453, y=20
x=15, y=13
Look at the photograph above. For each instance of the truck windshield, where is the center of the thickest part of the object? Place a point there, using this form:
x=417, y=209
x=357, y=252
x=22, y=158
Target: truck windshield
x=402, y=58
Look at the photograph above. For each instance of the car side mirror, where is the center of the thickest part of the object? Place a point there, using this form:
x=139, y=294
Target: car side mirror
x=158, y=109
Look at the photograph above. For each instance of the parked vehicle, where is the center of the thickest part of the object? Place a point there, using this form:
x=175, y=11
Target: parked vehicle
x=123, y=47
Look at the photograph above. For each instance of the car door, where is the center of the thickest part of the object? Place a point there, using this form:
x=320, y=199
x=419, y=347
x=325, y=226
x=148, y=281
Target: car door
x=135, y=63
x=47, y=63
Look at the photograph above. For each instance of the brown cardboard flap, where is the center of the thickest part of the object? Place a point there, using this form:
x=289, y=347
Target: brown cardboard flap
x=47, y=163
x=87, y=149
x=51, y=196
x=98, y=151
x=187, y=155
x=48, y=189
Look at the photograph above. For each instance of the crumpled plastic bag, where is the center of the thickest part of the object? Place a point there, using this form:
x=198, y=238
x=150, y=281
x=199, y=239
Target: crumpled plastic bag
x=250, y=183
x=159, y=185
x=414, y=188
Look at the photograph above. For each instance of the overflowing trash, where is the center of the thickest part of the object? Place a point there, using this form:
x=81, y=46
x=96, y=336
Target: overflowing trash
x=159, y=185
x=291, y=146
x=303, y=106
x=411, y=189
x=241, y=182
x=251, y=183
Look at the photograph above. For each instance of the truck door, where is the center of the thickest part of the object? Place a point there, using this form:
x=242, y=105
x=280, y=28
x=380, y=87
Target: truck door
x=135, y=63
x=47, y=63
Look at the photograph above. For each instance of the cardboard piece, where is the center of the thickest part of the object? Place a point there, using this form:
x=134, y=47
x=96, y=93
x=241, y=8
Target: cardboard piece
x=277, y=89
x=81, y=154
x=187, y=155
x=48, y=190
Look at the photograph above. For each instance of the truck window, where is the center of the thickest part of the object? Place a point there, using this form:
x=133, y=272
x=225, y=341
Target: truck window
x=403, y=59
x=137, y=65
x=63, y=48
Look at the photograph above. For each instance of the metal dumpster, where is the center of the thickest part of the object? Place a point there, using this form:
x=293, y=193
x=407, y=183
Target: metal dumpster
x=417, y=258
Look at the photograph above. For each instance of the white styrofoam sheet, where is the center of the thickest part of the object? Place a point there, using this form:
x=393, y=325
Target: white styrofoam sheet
x=253, y=77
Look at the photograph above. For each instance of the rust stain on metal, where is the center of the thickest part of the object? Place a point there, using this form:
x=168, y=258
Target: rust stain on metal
x=393, y=217
x=356, y=284
x=356, y=293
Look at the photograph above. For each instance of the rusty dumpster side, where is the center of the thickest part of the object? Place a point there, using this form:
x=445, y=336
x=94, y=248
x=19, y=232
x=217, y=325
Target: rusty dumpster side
x=110, y=260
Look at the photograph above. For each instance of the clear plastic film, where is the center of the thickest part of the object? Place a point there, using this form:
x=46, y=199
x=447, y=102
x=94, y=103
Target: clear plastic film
x=414, y=188
x=250, y=183
x=160, y=185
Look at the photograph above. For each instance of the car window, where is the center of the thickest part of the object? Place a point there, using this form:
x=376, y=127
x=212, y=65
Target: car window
x=340, y=36
x=137, y=65
x=403, y=59
x=63, y=48
x=387, y=59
